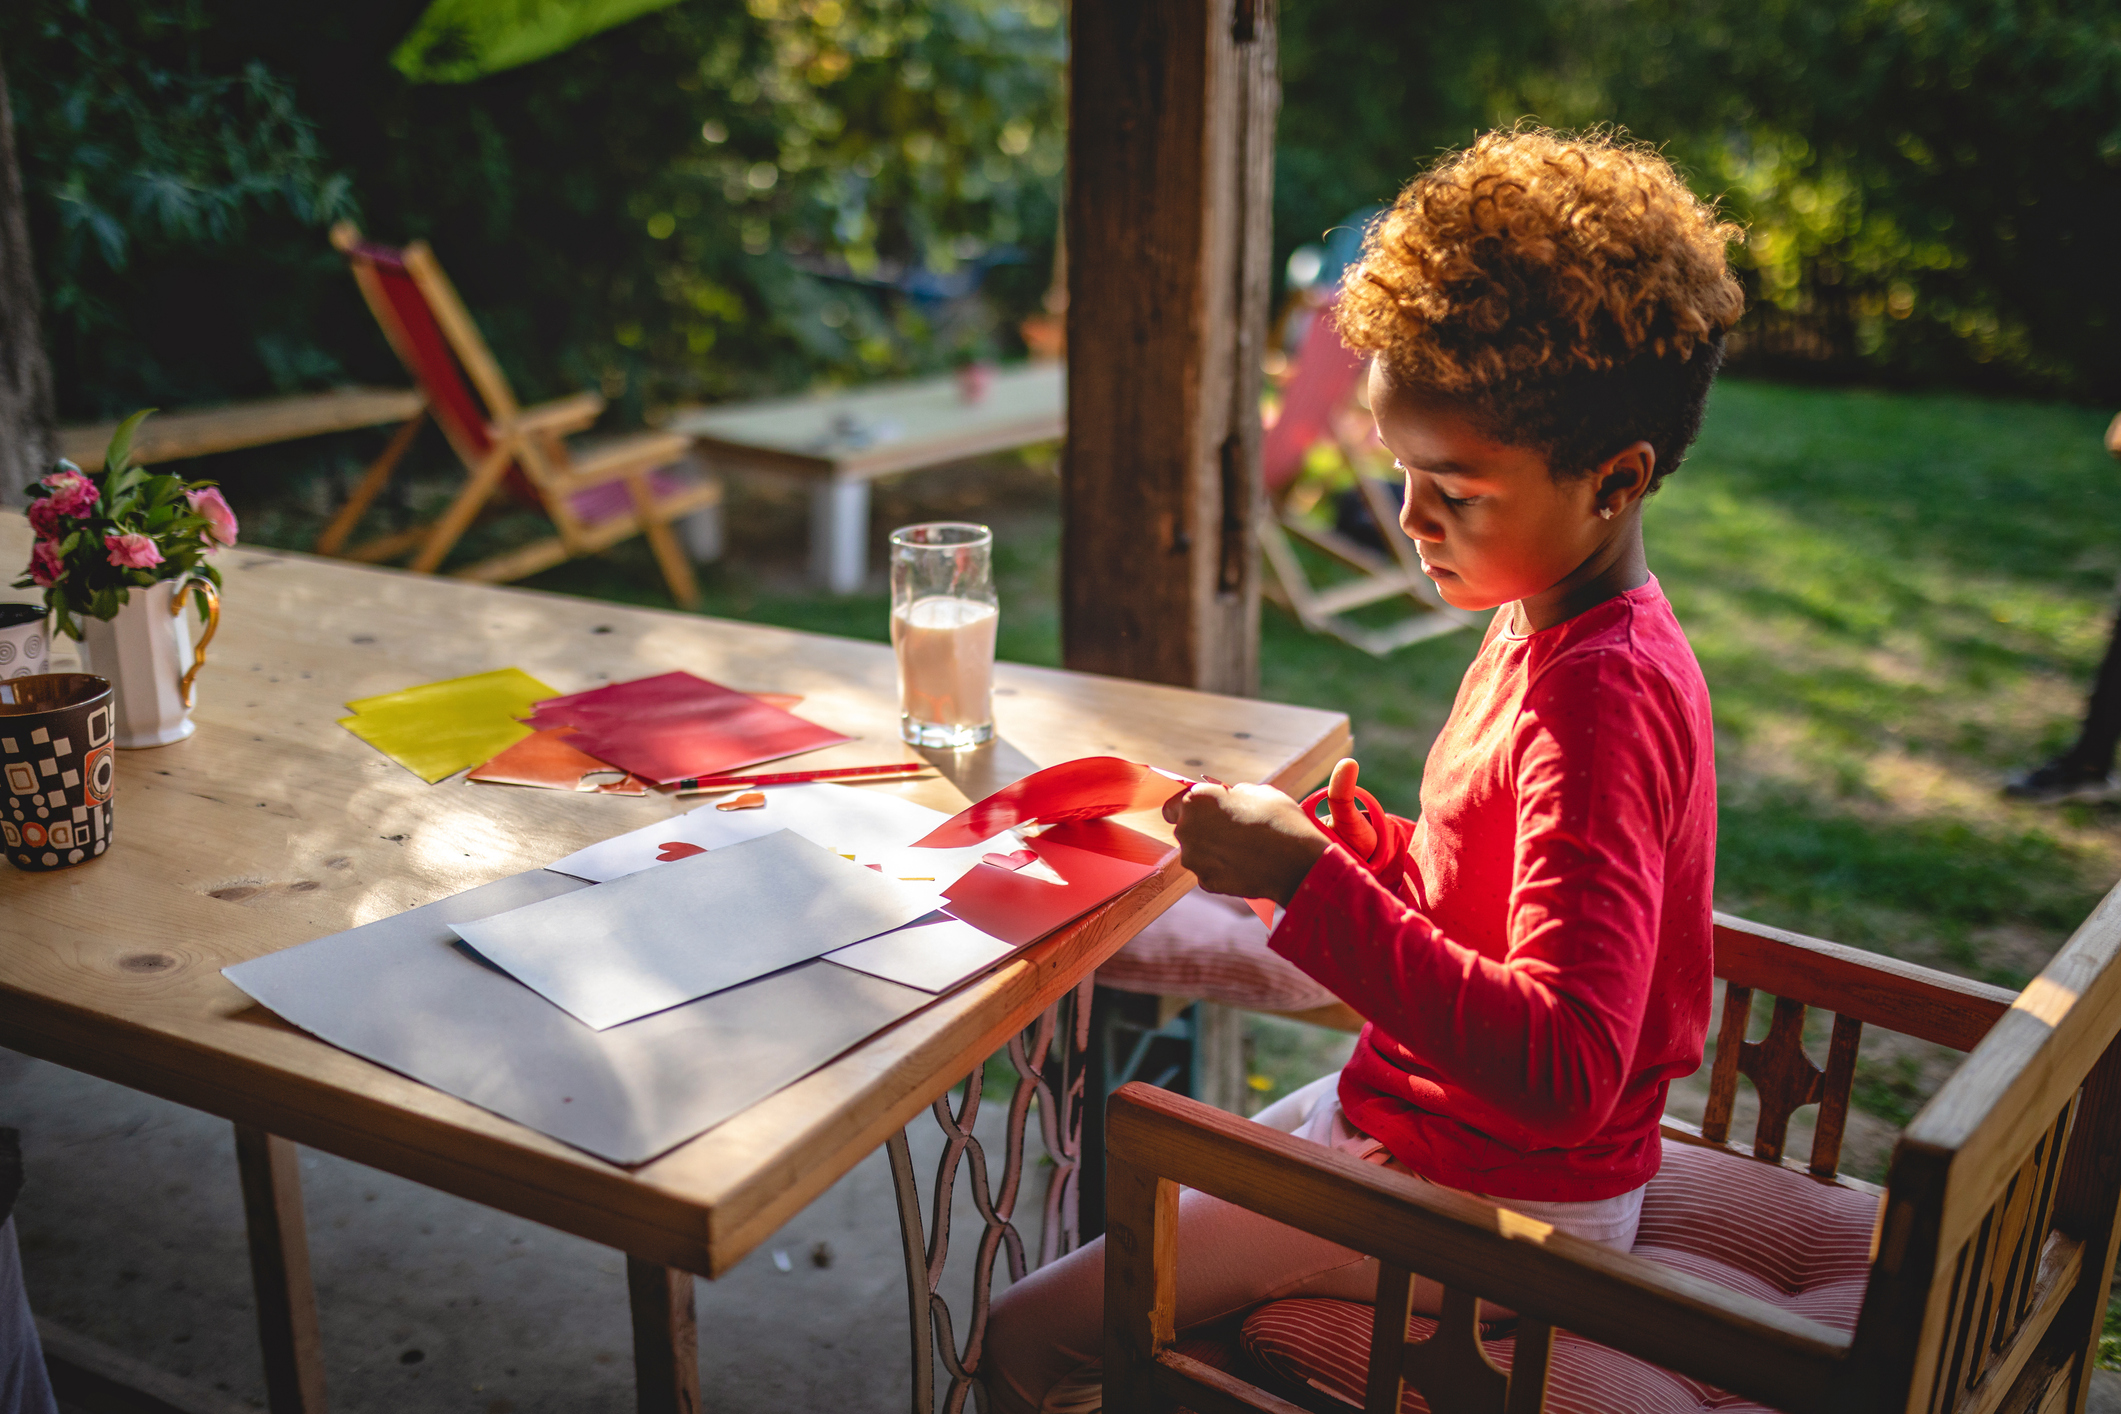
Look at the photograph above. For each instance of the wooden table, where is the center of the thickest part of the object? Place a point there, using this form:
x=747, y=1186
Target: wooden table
x=172, y=436
x=841, y=442
x=272, y=825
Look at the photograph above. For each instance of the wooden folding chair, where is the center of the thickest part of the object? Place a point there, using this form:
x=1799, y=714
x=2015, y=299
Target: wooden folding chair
x=1313, y=402
x=595, y=495
x=1974, y=1282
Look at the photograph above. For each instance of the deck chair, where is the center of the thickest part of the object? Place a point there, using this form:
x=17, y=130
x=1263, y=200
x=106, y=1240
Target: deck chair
x=1974, y=1281
x=1324, y=381
x=596, y=494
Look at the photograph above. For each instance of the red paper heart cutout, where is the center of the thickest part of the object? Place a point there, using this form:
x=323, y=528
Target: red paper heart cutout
x=677, y=849
x=1010, y=861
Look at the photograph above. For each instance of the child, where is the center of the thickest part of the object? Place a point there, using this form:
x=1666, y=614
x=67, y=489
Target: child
x=1545, y=314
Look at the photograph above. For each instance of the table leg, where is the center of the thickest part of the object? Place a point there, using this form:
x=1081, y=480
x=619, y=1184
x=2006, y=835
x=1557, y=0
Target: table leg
x=279, y=1272
x=839, y=534
x=1054, y=1078
x=666, y=1339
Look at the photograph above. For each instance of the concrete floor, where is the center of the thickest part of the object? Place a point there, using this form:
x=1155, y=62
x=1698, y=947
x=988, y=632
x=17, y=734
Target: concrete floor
x=132, y=1234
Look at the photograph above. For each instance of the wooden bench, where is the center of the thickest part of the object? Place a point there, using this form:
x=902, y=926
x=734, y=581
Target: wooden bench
x=173, y=436
x=1988, y=1269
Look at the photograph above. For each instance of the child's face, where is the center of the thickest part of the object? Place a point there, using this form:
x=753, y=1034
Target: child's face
x=1491, y=522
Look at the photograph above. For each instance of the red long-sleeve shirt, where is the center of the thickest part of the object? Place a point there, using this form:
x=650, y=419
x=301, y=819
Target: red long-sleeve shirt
x=1535, y=969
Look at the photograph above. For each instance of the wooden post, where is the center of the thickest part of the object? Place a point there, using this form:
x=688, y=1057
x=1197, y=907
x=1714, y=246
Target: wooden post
x=279, y=1272
x=1170, y=170
x=26, y=413
x=666, y=1339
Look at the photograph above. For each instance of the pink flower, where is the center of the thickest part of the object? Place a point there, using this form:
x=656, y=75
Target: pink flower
x=45, y=566
x=44, y=518
x=71, y=492
x=220, y=520
x=132, y=552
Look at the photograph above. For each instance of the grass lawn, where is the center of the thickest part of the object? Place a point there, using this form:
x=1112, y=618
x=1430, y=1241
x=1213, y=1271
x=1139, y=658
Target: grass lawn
x=1896, y=599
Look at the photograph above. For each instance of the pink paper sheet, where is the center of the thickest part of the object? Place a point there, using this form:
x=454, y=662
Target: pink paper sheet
x=666, y=728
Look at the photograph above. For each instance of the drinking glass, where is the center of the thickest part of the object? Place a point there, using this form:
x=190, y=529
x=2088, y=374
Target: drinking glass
x=943, y=615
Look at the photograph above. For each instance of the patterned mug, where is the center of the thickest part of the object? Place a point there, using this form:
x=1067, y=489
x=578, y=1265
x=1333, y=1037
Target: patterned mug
x=57, y=761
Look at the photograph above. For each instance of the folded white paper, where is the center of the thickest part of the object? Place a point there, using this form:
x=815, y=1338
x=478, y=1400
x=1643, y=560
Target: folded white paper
x=404, y=993
x=662, y=937
x=934, y=954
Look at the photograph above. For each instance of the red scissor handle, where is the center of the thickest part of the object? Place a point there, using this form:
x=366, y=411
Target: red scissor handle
x=1386, y=832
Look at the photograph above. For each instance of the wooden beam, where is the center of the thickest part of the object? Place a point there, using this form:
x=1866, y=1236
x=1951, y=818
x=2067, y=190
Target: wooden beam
x=1170, y=173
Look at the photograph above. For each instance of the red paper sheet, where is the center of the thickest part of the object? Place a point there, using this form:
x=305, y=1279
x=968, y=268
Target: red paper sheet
x=1072, y=794
x=550, y=759
x=1100, y=860
x=1088, y=788
x=666, y=728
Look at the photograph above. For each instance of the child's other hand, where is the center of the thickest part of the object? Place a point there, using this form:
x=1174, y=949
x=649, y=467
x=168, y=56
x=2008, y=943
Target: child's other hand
x=1250, y=841
x=1355, y=829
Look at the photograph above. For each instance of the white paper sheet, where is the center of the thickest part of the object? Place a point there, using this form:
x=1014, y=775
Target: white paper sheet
x=839, y=818
x=405, y=994
x=662, y=937
x=933, y=954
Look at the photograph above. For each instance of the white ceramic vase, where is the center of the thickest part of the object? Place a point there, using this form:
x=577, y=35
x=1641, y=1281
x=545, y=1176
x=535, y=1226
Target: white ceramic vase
x=146, y=653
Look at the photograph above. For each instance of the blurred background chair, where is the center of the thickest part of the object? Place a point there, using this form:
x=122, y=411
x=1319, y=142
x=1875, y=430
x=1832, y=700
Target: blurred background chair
x=595, y=493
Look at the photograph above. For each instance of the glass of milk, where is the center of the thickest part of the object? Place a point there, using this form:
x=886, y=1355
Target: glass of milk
x=943, y=615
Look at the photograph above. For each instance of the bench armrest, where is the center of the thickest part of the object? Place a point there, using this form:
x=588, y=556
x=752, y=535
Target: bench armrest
x=1649, y=1310
x=1863, y=986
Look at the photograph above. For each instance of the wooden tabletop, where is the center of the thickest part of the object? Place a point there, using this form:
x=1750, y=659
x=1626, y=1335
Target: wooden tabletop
x=885, y=427
x=272, y=825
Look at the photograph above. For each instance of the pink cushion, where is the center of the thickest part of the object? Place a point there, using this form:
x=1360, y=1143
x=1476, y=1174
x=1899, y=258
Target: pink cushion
x=599, y=503
x=1753, y=1227
x=1214, y=948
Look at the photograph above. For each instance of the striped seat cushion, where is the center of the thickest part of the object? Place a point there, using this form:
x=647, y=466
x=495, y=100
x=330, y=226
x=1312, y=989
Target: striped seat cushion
x=1753, y=1227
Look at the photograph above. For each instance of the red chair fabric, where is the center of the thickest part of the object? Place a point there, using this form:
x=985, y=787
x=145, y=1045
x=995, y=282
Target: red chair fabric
x=434, y=364
x=1754, y=1227
x=1326, y=372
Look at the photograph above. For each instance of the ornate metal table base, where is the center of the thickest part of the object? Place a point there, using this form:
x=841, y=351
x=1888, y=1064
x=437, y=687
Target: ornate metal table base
x=1055, y=1077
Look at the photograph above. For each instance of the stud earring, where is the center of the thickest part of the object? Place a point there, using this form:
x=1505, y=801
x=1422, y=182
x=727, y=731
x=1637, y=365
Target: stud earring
x=1607, y=513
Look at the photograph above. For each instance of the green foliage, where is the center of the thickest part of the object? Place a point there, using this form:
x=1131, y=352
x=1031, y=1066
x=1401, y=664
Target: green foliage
x=80, y=517
x=703, y=202
x=165, y=184
x=457, y=41
x=1929, y=187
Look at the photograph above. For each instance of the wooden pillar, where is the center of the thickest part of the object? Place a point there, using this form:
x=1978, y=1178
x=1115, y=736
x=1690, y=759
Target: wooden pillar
x=279, y=1272
x=1170, y=144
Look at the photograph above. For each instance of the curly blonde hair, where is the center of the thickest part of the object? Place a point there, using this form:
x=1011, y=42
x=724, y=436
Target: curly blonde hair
x=1568, y=289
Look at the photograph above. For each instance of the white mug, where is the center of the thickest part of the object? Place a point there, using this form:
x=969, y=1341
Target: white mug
x=25, y=643
x=147, y=654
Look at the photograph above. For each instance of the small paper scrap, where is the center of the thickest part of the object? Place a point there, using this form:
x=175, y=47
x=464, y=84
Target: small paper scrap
x=440, y=728
x=749, y=800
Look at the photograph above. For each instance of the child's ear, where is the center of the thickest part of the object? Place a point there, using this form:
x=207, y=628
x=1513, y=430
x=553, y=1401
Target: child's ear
x=1624, y=477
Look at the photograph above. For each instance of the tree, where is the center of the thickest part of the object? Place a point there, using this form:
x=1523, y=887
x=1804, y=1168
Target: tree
x=25, y=375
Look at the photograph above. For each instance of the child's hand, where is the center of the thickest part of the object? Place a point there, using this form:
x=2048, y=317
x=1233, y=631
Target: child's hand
x=1251, y=841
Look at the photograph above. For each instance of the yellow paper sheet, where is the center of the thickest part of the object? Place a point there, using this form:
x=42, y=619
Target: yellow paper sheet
x=440, y=728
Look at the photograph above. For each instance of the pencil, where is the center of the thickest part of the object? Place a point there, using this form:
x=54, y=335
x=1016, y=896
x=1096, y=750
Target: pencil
x=701, y=784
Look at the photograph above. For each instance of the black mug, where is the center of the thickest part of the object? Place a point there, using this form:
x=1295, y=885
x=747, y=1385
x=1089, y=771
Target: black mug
x=57, y=762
